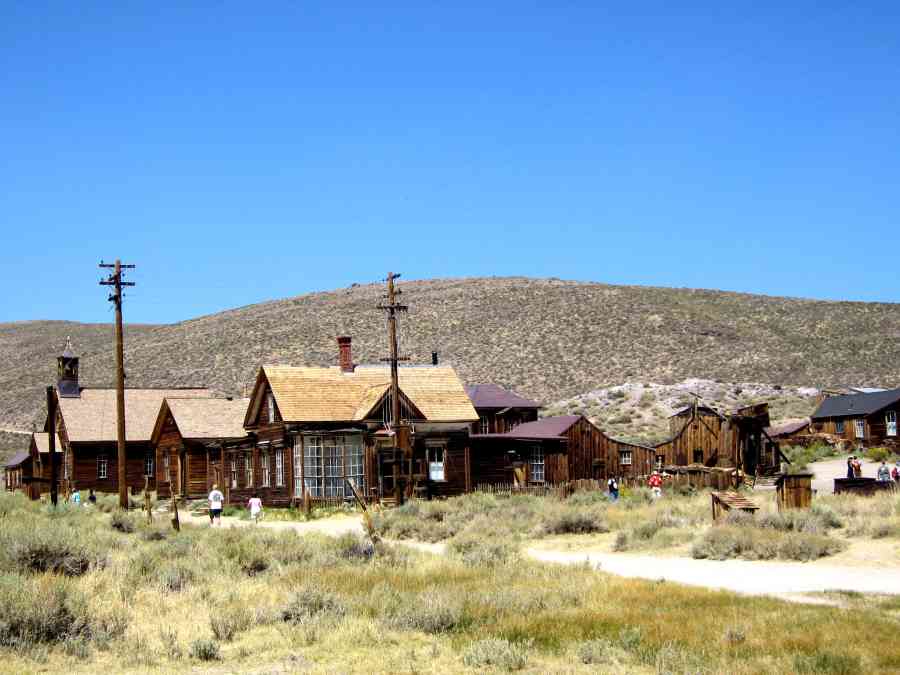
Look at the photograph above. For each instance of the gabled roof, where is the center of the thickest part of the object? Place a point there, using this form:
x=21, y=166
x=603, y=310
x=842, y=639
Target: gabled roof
x=16, y=460
x=307, y=394
x=856, y=404
x=544, y=428
x=786, y=428
x=92, y=416
x=42, y=442
x=495, y=396
x=702, y=409
x=205, y=418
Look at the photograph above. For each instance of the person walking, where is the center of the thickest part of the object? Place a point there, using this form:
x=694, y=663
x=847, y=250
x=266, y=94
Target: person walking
x=76, y=497
x=884, y=473
x=857, y=467
x=216, y=500
x=655, y=483
x=895, y=473
x=92, y=498
x=255, y=506
x=850, y=472
x=613, y=486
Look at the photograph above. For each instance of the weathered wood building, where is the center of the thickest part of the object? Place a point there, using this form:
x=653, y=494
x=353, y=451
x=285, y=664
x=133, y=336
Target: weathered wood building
x=39, y=451
x=859, y=420
x=16, y=470
x=500, y=410
x=317, y=427
x=86, y=426
x=555, y=450
x=188, y=438
x=703, y=435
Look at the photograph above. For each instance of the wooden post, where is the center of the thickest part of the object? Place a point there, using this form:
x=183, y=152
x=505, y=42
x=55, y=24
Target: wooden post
x=147, y=500
x=176, y=522
x=51, y=440
x=115, y=280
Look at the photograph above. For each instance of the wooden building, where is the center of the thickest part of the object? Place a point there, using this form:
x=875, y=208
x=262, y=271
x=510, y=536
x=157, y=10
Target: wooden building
x=39, y=451
x=86, y=426
x=555, y=450
x=188, y=438
x=500, y=410
x=705, y=436
x=316, y=427
x=794, y=432
x=16, y=470
x=859, y=420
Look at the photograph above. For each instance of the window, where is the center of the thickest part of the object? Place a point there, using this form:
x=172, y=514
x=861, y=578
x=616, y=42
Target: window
x=167, y=471
x=148, y=464
x=248, y=469
x=270, y=407
x=625, y=457
x=839, y=427
x=484, y=423
x=890, y=419
x=279, y=467
x=659, y=462
x=536, y=464
x=698, y=456
x=102, y=466
x=233, y=474
x=860, y=426
x=264, y=468
x=327, y=461
x=436, y=462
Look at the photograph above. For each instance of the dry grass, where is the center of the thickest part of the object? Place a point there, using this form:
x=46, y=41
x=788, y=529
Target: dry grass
x=326, y=605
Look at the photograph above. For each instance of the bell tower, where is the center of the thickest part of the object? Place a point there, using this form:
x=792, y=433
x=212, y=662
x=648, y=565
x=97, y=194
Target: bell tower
x=67, y=372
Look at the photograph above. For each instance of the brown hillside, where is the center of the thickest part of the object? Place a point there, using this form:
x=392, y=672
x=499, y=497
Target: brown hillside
x=547, y=338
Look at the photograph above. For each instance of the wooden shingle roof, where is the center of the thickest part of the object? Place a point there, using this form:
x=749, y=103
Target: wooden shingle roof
x=209, y=418
x=92, y=416
x=306, y=394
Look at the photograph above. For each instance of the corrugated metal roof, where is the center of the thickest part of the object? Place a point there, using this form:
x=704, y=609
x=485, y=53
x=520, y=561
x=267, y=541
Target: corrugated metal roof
x=208, y=418
x=546, y=427
x=92, y=416
x=495, y=396
x=307, y=394
x=850, y=405
x=16, y=460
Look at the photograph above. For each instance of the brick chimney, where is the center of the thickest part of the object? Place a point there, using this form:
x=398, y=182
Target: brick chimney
x=345, y=354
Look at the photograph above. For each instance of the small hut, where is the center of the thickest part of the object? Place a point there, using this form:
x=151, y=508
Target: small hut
x=794, y=491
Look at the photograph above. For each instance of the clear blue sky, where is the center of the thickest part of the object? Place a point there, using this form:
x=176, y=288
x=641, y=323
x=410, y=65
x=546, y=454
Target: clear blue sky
x=239, y=152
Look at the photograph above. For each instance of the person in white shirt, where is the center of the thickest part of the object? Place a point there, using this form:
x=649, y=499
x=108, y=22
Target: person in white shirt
x=255, y=506
x=216, y=499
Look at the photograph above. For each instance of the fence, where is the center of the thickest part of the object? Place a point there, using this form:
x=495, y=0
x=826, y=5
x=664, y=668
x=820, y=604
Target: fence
x=537, y=490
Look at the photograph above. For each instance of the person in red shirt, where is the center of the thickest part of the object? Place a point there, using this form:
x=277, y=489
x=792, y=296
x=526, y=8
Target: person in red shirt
x=655, y=483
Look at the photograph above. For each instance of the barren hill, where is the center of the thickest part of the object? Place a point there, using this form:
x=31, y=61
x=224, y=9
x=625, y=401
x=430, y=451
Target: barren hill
x=547, y=338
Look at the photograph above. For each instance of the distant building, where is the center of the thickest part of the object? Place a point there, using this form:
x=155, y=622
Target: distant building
x=863, y=420
x=500, y=410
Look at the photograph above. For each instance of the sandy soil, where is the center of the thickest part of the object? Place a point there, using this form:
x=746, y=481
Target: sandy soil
x=333, y=526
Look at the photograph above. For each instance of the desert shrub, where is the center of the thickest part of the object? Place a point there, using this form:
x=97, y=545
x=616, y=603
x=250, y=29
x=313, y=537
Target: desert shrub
x=646, y=531
x=685, y=490
x=828, y=662
x=122, y=522
x=622, y=542
x=175, y=576
x=827, y=515
x=483, y=549
x=153, y=535
x=204, y=650
x=77, y=648
x=52, y=549
x=595, y=652
x=310, y=602
x=567, y=519
x=432, y=612
x=587, y=498
x=630, y=638
x=735, y=636
x=753, y=543
x=879, y=454
x=226, y=622
x=497, y=653
x=168, y=637
x=635, y=497
x=45, y=610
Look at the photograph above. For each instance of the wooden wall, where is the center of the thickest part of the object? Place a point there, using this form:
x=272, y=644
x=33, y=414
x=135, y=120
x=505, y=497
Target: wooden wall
x=83, y=466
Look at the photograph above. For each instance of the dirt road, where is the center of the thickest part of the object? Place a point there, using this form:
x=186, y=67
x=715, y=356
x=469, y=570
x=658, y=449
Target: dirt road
x=826, y=471
x=753, y=578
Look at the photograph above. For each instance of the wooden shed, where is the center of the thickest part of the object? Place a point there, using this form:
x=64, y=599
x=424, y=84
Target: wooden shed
x=794, y=491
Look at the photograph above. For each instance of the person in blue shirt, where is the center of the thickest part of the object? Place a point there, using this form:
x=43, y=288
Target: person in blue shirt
x=76, y=497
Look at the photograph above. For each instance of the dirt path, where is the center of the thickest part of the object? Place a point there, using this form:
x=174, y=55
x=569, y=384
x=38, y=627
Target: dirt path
x=826, y=471
x=782, y=579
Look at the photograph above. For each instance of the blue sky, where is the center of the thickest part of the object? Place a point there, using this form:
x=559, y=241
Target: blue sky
x=241, y=152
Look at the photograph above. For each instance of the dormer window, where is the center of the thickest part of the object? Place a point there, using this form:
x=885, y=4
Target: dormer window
x=270, y=407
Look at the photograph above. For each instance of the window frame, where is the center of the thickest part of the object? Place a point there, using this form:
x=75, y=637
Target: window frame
x=890, y=423
x=537, y=466
x=149, y=464
x=264, y=468
x=625, y=455
x=234, y=473
x=839, y=426
x=270, y=407
x=167, y=468
x=859, y=428
x=696, y=452
x=279, y=467
x=102, y=467
x=431, y=450
x=484, y=423
x=248, y=468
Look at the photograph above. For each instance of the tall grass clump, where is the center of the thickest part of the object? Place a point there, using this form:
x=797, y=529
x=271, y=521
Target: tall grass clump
x=496, y=653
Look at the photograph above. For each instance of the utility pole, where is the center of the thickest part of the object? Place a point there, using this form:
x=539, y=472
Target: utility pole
x=51, y=441
x=401, y=442
x=115, y=280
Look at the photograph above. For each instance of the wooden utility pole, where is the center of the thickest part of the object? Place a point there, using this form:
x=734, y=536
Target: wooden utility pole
x=51, y=444
x=115, y=280
x=401, y=438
